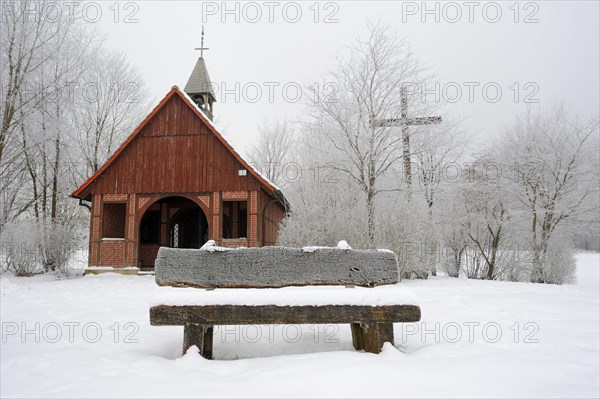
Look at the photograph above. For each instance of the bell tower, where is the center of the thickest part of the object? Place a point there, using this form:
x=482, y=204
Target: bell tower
x=199, y=86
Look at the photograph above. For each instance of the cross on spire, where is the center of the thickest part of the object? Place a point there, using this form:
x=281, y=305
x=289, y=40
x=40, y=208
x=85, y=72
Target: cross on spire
x=202, y=48
x=404, y=122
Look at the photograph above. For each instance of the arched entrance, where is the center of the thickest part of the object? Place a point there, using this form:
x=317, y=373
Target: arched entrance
x=175, y=222
x=188, y=228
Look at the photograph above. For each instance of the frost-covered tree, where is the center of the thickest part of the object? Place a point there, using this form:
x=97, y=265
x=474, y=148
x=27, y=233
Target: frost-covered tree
x=487, y=214
x=49, y=64
x=273, y=151
x=451, y=218
x=326, y=206
x=29, y=50
x=406, y=229
x=352, y=184
x=364, y=88
x=438, y=150
x=26, y=45
x=551, y=158
x=110, y=102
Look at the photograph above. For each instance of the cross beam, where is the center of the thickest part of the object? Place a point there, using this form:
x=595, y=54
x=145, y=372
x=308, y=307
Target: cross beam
x=202, y=48
x=404, y=122
x=395, y=122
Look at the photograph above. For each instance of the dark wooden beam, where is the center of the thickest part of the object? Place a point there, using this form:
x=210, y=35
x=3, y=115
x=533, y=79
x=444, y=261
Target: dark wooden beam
x=270, y=314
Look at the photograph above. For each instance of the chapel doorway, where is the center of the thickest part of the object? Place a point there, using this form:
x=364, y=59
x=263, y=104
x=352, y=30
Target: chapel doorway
x=175, y=222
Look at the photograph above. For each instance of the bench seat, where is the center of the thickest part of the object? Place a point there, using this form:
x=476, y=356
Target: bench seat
x=370, y=312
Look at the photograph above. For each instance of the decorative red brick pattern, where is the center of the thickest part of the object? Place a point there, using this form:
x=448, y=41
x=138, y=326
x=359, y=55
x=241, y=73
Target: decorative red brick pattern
x=114, y=197
x=216, y=227
x=97, y=205
x=95, y=228
x=112, y=253
x=253, y=202
x=236, y=195
x=234, y=243
x=147, y=253
x=131, y=205
x=205, y=200
x=142, y=201
x=114, y=220
x=130, y=254
x=216, y=203
x=253, y=223
x=131, y=228
x=93, y=254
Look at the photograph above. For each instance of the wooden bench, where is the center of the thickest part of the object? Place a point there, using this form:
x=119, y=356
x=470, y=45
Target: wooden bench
x=370, y=312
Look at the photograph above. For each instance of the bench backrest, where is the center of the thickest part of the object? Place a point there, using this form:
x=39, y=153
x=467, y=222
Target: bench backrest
x=270, y=267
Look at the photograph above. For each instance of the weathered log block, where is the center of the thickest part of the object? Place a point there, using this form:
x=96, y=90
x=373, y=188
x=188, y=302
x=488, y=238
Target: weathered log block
x=271, y=267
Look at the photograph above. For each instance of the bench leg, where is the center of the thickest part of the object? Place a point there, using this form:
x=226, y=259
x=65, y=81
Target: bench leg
x=208, y=343
x=200, y=335
x=357, y=336
x=374, y=335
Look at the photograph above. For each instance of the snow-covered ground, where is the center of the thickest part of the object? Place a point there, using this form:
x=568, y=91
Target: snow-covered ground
x=477, y=338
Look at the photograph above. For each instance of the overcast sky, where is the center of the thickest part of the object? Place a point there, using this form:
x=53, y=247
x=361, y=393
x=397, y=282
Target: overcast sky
x=544, y=50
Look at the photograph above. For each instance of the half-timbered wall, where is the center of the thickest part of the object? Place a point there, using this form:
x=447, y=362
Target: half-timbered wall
x=174, y=155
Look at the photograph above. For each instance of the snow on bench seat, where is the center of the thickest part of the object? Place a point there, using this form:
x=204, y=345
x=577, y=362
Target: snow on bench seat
x=287, y=296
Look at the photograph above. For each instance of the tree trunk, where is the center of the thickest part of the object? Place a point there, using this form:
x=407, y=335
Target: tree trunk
x=56, y=168
x=371, y=216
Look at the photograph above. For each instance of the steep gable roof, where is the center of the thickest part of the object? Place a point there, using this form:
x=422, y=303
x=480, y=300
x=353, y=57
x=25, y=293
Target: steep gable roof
x=84, y=190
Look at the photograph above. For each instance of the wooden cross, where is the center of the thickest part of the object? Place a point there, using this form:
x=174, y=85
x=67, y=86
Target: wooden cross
x=404, y=122
x=202, y=48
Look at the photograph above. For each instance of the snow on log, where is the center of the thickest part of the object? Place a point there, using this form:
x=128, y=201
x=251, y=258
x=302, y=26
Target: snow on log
x=271, y=267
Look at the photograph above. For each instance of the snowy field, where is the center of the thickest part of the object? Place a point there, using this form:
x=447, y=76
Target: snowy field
x=477, y=339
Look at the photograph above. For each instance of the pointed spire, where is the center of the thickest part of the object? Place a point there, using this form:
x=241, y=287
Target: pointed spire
x=199, y=81
x=199, y=86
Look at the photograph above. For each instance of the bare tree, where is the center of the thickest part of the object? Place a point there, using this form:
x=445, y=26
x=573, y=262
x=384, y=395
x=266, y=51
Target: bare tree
x=38, y=55
x=26, y=44
x=45, y=133
x=44, y=94
x=273, y=150
x=552, y=157
x=487, y=216
x=111, y=103
x=438, y=150
x=453, y=228
x=366, y=88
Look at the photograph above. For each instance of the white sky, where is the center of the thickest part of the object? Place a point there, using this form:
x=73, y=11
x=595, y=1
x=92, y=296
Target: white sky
x=559, y=53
